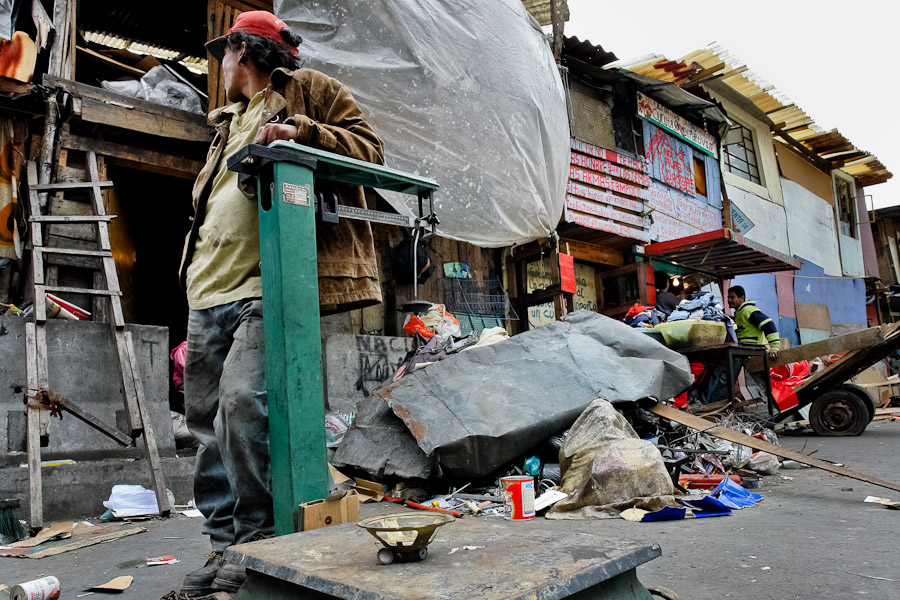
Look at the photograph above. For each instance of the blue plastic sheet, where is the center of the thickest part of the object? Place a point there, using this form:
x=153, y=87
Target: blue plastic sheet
x=708, y=507
x=734, y=496
x=667, y=513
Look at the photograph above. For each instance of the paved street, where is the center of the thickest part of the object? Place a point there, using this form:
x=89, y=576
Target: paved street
x=811, y=537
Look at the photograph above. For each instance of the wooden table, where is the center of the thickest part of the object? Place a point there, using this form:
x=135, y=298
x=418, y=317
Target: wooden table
x=505, y=559
x=725, y=354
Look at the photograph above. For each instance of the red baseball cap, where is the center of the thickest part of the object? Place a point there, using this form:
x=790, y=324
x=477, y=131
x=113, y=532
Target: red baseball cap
x=258, y=22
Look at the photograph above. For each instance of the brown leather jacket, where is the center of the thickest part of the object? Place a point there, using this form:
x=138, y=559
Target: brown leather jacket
x=326, y=117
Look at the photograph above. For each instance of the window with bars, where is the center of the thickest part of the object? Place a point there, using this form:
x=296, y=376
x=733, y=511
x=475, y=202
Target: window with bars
x=740, y=154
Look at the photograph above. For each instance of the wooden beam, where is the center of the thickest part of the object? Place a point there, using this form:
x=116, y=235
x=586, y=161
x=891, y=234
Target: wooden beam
x=694, y=422
x=840, y=344
x=134, y=157
x=118, y=110
x=111, y=61
x=593, y=253
x=812, y=156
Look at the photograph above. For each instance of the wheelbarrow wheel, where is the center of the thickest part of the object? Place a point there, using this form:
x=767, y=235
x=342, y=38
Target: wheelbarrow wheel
x=864, y=394
x=385, y=556
x=838, y=413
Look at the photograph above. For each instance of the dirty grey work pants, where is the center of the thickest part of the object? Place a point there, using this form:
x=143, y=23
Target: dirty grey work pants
x=225, y=405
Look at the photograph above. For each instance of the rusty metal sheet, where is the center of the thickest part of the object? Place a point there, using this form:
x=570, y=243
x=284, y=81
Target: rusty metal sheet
x=477, y=410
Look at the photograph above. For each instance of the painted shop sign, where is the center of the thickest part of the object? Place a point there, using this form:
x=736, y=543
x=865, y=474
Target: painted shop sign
x=591, y=222
x=675, y=215
x=607, y=191
x=652, y=110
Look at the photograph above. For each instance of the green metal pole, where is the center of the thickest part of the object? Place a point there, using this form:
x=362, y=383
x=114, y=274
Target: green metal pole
x=287, y=235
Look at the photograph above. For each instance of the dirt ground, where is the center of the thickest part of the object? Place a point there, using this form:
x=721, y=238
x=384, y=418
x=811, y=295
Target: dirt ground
x=812, y=536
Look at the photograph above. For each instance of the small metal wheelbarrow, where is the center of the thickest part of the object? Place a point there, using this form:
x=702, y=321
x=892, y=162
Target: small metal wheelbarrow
x=405, y=536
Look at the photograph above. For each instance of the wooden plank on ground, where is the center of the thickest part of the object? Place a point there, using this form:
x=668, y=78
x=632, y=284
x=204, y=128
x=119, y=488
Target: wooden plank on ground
x=725, y=433
x=840, y=344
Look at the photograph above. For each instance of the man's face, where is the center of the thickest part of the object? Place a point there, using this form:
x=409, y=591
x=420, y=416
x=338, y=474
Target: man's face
x=233, y=74
x=734, y=301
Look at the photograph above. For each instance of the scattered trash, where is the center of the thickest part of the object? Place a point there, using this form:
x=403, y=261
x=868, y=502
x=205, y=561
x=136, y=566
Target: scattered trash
x=765, y=568
x=518, y=497
x=786, y=478
x=734, y=496
x=119, y=584
x=548, y=499
x=63, y=537
x=607, y=468
x=883, y=501
x=871, y=576
x=162, y=560
x=134, y=500
x=191, y=512
x=45, y=588
x=763, y=463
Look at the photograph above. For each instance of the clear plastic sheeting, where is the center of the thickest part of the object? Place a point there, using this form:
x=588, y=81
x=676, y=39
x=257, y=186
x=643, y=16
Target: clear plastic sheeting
x=463, y=91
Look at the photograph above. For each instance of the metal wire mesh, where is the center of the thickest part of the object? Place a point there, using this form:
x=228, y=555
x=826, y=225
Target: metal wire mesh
x=477, y=297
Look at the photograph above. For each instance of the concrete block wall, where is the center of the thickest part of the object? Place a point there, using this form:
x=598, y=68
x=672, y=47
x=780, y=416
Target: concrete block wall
x=83, y=367
x=811, y=228
x=769, y=218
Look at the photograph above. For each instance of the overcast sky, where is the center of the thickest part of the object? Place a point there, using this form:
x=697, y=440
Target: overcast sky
x=835, y=60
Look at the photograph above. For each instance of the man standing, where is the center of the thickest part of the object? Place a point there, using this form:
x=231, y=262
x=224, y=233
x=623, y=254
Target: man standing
x=752, y=326
x=225, y=388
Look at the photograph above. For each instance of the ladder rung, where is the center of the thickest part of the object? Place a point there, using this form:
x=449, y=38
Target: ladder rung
x=73, y=252
x=75, y=185
x=72, y=218
x=75, y=290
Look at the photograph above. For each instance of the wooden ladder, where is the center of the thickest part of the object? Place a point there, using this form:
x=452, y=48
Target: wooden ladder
x=41, y=400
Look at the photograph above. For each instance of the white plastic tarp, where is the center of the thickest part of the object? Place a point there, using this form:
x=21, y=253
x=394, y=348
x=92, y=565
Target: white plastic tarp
x=463, y=91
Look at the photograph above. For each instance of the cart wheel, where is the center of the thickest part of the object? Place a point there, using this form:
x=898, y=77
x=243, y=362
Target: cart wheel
x=864, y=394
x=423, y=553
x=385, y=556
x=838, y=413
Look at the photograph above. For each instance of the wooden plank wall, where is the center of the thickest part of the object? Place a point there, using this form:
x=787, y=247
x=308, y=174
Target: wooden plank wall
x=484, y=264
x=220, y=17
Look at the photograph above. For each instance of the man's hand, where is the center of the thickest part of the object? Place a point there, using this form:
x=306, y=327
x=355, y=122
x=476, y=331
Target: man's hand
x=773, y=354
x=270, y=132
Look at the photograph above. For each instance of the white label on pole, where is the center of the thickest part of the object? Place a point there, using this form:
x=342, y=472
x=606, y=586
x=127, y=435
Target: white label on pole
x=296, y=194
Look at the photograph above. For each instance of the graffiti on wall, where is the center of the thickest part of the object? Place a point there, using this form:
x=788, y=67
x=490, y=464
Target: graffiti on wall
x=672, y=162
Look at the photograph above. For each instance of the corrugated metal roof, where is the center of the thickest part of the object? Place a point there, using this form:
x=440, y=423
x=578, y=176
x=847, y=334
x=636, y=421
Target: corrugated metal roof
x=716, y=64
x=671, y=95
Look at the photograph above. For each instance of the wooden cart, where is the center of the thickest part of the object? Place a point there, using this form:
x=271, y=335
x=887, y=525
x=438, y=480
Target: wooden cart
x=837, y=408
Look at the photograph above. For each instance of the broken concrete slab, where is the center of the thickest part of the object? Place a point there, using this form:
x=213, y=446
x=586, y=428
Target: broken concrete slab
x=478, y=410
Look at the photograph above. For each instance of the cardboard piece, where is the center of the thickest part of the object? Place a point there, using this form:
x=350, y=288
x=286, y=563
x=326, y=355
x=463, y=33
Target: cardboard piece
x=119, y=584
x=323, y=513
x=55, y=530
x=370, y=491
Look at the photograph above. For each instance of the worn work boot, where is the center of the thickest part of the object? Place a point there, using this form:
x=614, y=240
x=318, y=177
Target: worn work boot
x=231, y=575
x=229, y=578
x=200, y=582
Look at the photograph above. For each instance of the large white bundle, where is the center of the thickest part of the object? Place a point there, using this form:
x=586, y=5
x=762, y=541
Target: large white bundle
x=463, y=91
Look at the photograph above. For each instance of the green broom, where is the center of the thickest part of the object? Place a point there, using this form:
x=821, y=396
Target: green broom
x=11, y=528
